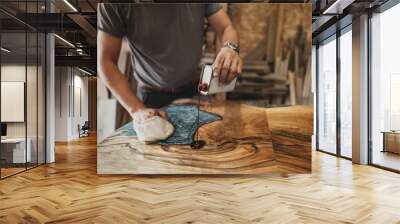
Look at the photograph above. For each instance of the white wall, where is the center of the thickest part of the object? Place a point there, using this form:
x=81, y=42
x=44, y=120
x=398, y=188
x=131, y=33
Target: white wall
x=61, y=103
x=67, y=114
x=79, y=117
x=12, y=73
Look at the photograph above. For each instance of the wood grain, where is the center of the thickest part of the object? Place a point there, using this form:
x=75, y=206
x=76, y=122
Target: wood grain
x=240, y=143
x=70, y=191
x=292, y=129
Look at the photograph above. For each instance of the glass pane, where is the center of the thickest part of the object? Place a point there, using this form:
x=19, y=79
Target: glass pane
x=41, y=99
x=327, y=96
x=13, y=86
x=31, y=97
x=314, y=74
x=346, y=94
x=386, y=89
x=22, y=79
x=32, y=87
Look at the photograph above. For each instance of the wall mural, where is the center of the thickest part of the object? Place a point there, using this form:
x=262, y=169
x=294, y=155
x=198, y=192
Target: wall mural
x=257, y=128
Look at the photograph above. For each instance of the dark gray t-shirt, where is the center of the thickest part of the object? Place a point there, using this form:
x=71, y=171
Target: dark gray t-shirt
x=166, y=39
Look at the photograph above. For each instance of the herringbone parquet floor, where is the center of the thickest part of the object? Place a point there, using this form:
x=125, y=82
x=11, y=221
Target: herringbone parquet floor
x=70, y=191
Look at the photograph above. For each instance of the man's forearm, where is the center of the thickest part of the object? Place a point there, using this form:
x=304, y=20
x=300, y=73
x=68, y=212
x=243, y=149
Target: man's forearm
x=119, y=86
x=227, y=64
x=229, y=35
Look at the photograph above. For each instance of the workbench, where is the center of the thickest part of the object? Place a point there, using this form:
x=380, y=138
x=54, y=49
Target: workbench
x=241, y=143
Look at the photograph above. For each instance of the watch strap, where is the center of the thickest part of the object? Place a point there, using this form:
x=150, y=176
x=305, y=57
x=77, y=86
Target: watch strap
x=232, y=46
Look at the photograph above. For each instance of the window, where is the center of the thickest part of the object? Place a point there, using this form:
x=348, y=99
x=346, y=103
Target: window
x=346, y=93
x=327, y=96
x=385, y=89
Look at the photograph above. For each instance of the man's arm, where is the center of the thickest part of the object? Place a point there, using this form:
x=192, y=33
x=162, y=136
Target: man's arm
x=108, y=50
x=228, y=63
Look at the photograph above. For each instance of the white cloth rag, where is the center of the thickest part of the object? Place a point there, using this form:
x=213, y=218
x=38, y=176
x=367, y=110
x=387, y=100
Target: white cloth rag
x=151, y=129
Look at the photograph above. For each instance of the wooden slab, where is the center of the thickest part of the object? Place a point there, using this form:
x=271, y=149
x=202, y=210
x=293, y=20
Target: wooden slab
x=292, y=129
x=240, y=143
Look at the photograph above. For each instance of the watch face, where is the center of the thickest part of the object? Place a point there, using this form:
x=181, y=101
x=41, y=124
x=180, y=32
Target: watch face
x=233, y=46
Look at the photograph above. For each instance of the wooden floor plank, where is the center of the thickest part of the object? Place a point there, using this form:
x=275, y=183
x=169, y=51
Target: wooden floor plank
x=70, y=191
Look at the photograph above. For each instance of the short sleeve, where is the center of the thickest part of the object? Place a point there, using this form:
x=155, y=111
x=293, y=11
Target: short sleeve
x=212, y=8
x=111, y=19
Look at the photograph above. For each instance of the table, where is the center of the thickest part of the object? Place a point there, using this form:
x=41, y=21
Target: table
x=391, y=141
x=13, y=150
x=240, y=143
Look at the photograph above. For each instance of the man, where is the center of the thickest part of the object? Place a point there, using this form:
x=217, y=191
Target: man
x=166, y=41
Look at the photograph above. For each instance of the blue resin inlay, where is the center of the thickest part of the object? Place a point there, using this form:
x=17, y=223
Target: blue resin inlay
x=184, y=120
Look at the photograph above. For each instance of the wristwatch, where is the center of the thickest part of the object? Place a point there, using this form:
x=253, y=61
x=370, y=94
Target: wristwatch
x=232, y=46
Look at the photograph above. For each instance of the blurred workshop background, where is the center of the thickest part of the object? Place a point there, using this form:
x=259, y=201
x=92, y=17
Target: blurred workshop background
x=275, y=42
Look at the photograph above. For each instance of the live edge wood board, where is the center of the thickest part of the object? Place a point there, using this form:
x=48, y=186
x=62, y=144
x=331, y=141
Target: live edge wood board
x=240, y=143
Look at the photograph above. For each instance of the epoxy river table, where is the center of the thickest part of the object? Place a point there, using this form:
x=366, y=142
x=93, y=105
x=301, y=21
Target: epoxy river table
x=242, y=142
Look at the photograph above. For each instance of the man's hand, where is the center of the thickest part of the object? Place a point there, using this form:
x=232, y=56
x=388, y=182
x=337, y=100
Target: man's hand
x=151, y=125
x=146, y=113
x=227, y=65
